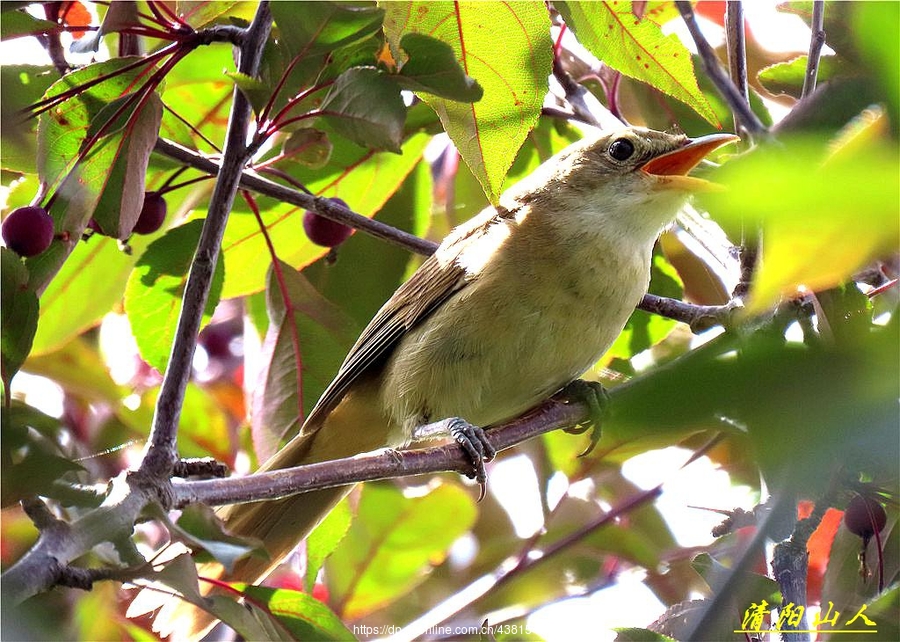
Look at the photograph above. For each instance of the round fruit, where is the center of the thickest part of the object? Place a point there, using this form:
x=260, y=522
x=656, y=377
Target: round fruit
x=28, y=230
x=153, y=213
x=323, y=231
x=864, y=516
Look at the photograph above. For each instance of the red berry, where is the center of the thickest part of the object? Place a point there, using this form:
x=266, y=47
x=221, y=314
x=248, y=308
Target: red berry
x=323, y=231
x=28, y=230
x=864, y=516
x=153, y=214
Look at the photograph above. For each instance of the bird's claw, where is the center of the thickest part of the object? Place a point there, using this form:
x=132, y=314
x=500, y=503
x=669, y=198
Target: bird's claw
x=477, y=447
x=597, y=399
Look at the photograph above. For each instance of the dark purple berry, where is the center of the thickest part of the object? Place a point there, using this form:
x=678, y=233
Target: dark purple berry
x=864, y=516
x=28, y=230
x=323, y=231
x=153, y=214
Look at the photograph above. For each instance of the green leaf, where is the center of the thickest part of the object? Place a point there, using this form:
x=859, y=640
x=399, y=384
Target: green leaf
x=393, y=543
x=317, y=27
x=878, y=40
x=16, y=24
x=20, y=314
x=256, y=91
x=21, y=85
x=309, y=147
x=432, y=68
x=323, y=335
x=111, y=166
x=155, y=289
x=365, y=106
x=323, y=540
x=34, y=473
x=787, y=77
x=90, y=282
x=811, y=210
x=200, y=14
x=199, y=525
x=198, y=90
x=637, y=48
x=305, y=617
x=836, y=404
x=364, y=179
x=122, y=197
x=512, y=70
x=63, y=129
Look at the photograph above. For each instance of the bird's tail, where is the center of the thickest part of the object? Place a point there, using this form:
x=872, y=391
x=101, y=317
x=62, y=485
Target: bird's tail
x=356, y=425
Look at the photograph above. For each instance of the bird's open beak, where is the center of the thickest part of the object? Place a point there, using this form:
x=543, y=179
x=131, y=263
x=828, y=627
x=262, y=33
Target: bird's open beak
x=671, y=168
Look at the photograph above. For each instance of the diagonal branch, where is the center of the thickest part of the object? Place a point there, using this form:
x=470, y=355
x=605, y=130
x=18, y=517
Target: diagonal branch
x=727, y=89
x=816, y=42
x=323, y=206
x=161, y=453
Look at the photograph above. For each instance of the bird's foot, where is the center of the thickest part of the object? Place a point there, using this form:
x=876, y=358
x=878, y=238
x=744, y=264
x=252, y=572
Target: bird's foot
x=475, y=444
x=596, y=397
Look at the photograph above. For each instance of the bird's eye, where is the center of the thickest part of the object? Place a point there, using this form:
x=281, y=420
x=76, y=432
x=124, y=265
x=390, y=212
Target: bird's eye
x=621, y=149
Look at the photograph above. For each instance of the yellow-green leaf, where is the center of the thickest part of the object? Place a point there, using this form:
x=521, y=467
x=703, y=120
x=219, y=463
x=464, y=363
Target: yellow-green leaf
x=506, y=48
x=822, y=219
x=393, y=543
x=637, y=48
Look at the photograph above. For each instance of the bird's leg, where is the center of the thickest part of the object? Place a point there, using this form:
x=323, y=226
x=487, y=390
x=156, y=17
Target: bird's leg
x=472, y=439
x=597, y=399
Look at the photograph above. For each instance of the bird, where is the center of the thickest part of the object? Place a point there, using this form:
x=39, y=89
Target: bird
x=514, y=305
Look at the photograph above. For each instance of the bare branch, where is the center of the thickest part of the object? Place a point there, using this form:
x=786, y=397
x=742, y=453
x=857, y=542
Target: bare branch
x=698, y=317
x=323, y=206
x=46, y=563
x=161, y=453
x=727, y=89
x=816, y=42
x=574, y=94
x=553, y=414
x=737, y=49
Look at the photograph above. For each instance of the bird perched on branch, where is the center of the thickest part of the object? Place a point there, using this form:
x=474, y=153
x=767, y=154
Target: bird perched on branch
x=513, y=306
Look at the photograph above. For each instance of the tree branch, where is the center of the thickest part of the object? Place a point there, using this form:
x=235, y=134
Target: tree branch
x=816, y=42
x=552, y=414
x=323, y=206
x=737, y=49
x=48, y=561
x=161, y=453
x=726, y=88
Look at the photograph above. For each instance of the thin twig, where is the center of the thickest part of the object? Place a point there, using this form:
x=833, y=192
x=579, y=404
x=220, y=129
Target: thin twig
x=698, y=317
x=574, y=94
x=323, y=206
x=51, y=40
x=737, y=49
x=726, y=88
x=161, y=453
x=816, y=42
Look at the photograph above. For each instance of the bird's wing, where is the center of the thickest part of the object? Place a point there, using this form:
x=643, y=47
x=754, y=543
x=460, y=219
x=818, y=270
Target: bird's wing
x=432, y=284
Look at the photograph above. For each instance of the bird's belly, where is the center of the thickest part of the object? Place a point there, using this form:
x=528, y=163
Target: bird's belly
x=488, y=356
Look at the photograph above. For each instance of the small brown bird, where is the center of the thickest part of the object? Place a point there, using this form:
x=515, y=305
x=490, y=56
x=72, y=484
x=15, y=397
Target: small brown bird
x=514, y=305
